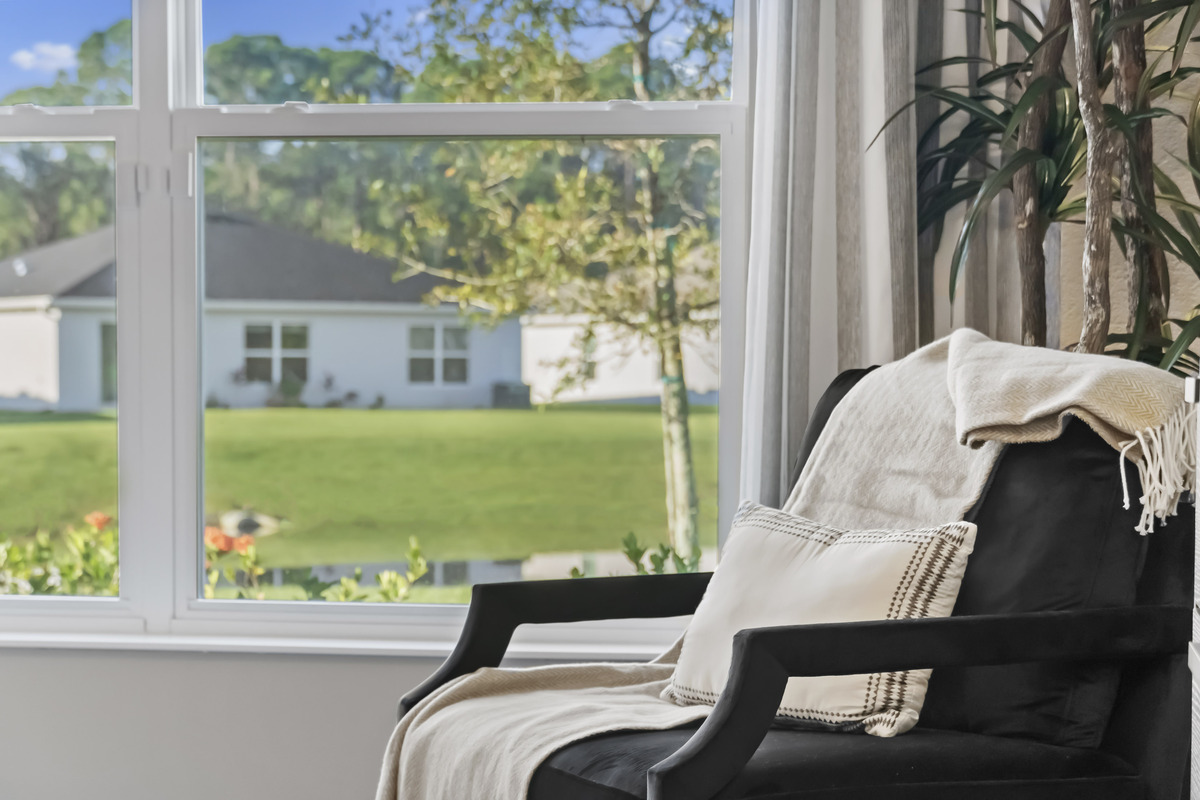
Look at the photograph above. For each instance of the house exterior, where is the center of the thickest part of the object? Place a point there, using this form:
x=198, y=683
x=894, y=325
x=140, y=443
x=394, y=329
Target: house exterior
x=292, y=319
x=287, y=319
x=619, y=368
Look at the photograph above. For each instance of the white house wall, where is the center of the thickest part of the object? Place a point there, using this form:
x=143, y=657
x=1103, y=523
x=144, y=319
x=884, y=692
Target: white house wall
x=365, y=352
x=626, y=370
x=79, y=358
x=28, y=359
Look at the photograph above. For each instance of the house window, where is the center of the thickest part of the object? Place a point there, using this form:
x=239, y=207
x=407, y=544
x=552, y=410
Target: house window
x=422, y=357
x=446, y=229
x=293, y=355
x=265, y=364
x=454, y=354
x=426, y=352
x=260, y=350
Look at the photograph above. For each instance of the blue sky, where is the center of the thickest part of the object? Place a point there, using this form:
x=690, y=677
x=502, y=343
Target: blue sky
x=38, y=37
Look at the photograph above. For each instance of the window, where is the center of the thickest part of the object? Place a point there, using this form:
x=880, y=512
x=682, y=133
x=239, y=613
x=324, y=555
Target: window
x=263, y=364
x=425, y=356
x=259, y=354
x=385, y=326
x=108, y=363
x=421, y=359
x=58, y=368
x=454, y=354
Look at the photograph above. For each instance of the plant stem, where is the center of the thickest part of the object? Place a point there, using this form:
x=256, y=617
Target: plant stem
x=1146, y=261
x=1098, y=223
x=1031, y=225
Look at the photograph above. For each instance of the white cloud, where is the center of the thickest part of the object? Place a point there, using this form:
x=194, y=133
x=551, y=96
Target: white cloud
x=45, y=57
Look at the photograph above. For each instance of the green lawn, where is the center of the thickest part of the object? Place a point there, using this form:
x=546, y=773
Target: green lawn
x=353, y=485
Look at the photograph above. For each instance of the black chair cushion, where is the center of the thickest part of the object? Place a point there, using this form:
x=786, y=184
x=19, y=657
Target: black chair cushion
x=1052, y=536
x=923, y=764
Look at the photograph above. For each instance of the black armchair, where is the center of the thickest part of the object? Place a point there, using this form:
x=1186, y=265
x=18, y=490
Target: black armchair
x=1062, y=673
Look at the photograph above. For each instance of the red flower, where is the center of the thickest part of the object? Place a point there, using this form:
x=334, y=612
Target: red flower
x=217, y=538
x=243, y=543
x=98, y=520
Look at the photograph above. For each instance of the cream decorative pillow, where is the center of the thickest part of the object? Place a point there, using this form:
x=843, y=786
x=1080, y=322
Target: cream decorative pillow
x=780, y=569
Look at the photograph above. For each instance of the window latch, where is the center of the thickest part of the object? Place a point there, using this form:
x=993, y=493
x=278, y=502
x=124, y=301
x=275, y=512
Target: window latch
x=26, y=108
x=292, y=107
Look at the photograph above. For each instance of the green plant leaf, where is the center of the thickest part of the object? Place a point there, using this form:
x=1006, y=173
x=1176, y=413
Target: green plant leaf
x=1034, y=93
x=1193, y=141
x=1182, y=343
x=989, y=7
x=1191, y=18
x=988, y=189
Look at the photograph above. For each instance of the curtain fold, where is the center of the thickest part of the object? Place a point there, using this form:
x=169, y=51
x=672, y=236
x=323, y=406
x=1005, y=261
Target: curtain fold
x=838, y=277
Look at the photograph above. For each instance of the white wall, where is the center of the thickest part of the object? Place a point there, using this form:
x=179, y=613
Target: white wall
x=28, y=360
x=79, y=359
x=364, y=352
x=625, y=369
x=151, y=726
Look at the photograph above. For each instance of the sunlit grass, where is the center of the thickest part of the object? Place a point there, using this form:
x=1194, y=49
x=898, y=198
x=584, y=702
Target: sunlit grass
x=353, y=485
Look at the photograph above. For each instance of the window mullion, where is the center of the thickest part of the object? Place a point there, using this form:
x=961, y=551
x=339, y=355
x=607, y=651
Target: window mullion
x=147, y=409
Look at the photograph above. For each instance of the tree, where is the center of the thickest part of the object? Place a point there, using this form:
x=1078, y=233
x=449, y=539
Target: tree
x=104, y=75
x=623, y=234
x=52, y=191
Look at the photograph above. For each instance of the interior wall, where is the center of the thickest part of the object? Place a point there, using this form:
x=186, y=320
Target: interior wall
x=187, y=726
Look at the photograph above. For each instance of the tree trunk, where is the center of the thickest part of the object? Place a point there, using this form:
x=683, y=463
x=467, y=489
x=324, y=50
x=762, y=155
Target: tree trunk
x=1031, y=228
x=1098, y=223
x=1146, y=262
x=683, y=505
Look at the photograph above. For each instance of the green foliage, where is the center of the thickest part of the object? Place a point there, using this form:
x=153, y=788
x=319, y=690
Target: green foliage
x=103, y=74
x=82, y=561
x=660, y=558
x=393, y=587
x=989, y=118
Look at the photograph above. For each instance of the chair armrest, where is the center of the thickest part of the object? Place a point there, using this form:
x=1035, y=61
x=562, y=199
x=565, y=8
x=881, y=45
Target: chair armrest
x=498, y=608
x=764, y=659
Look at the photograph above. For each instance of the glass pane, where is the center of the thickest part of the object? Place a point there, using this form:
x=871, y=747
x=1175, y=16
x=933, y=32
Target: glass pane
x=294, y=369
x=420, y=370
x=108, y=362
x=454, y=338
x=66, y=53
x=420, y=339
x=294, y=337
x=58, y=369
x=454, y=370
x=474, y=51
x=258, y=337
x=258, y=370
x=400, y=257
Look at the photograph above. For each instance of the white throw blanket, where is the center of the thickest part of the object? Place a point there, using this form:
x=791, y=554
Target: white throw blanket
x=483, y=735
x=912, y=445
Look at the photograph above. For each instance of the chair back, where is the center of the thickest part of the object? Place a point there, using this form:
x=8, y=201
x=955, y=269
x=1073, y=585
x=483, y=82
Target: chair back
x=1053, y=535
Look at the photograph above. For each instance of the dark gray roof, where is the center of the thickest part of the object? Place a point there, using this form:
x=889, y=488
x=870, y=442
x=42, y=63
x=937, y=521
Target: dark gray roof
x=244, y=260
x=59, y=268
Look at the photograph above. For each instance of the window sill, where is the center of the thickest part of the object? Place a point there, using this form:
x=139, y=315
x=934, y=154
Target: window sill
x=527, y=644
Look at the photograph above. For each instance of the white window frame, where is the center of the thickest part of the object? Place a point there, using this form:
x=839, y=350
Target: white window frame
x=160, y=445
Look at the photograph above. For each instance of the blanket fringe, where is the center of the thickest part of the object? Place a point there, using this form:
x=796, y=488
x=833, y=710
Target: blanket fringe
x=1166, y=466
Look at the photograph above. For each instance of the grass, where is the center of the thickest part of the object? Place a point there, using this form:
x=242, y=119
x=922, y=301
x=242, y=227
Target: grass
x=353, y=485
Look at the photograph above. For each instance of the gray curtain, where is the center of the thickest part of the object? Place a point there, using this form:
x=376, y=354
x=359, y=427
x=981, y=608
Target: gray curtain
x=838, y=277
